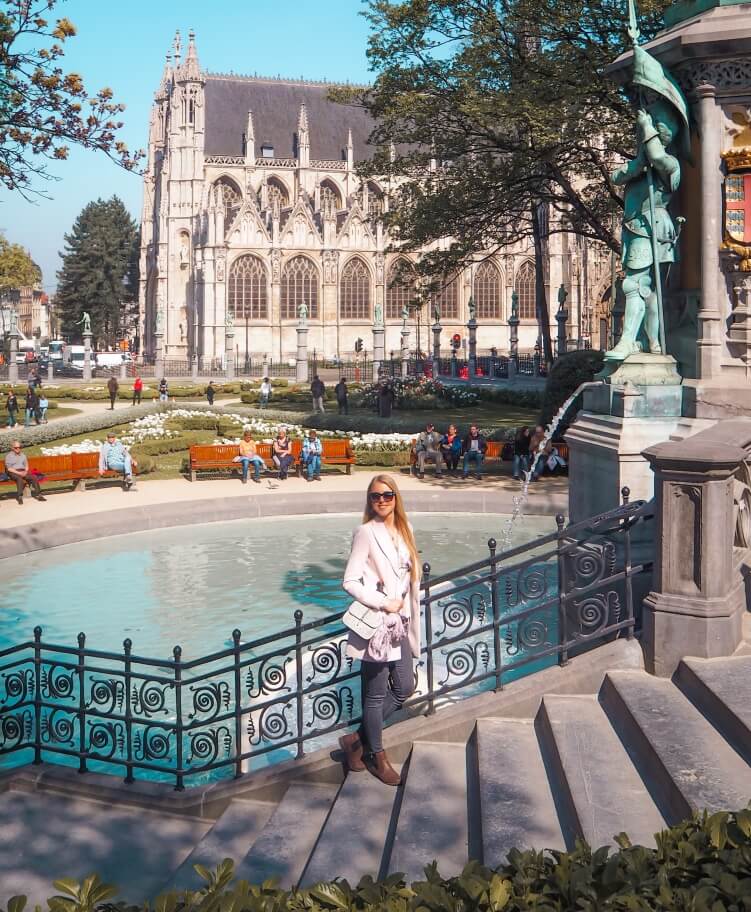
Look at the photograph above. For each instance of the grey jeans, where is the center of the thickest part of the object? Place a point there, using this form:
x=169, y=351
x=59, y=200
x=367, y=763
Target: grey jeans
x=385, y=687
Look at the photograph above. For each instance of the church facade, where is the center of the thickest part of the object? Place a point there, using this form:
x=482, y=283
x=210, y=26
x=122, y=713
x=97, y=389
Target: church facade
x=252, y=208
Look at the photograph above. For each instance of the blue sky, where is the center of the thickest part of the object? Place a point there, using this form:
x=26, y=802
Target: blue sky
x=123, y=45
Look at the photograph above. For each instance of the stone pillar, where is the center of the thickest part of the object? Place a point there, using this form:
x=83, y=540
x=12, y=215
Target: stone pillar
x=709, y=316
x=194, y=367
x=124, y=370
x=437, y=329
x=454, y=368
x=513, y=324
x=562, y=318
x=301, y=368
x=537, y=360
x=50, y=372
x=405, y=352
x=265, y=366
x=229, y=354
x=379, y=346
x=698, y=598
x=159, y=355
x=472, y=348
x=87, y=356
x=13, y=366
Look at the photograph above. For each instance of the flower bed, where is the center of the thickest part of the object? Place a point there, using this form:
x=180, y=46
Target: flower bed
x=420, y=392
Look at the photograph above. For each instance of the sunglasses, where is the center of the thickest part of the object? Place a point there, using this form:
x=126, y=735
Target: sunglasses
x=378, y=496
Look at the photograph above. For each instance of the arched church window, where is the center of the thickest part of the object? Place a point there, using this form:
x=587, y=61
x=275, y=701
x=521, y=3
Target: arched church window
x=354, y=291
x=447, y=299
x=232, y=200
x=525, y=289
x=487, y=291
x=277, y=194
x=299, y=283
x=375, y=201
x=330, y=195
x=247, y=289
x=401, y=289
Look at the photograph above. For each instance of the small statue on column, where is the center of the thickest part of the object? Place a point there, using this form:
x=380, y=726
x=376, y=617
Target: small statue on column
x=303, y=312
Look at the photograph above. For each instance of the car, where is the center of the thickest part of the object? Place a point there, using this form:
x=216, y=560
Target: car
x=66, y=369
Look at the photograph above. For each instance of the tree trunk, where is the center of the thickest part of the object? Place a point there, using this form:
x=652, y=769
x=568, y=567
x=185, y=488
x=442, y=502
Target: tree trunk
x=541, y=302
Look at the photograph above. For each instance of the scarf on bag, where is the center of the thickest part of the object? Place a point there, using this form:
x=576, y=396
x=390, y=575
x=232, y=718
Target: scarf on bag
x=391, y=632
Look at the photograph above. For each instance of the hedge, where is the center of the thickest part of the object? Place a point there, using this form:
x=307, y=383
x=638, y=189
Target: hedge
x=701, y=865
x=568, y=373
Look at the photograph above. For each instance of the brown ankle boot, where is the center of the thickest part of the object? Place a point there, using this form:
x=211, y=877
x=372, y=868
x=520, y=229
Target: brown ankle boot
x=352, y=747
x=383, y=770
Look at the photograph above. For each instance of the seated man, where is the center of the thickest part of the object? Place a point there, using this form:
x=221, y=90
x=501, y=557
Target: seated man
x=249, y=455
x=311, y=456
x=473, y=448
x=114, y=457
x=17, y=469
x=429, y=448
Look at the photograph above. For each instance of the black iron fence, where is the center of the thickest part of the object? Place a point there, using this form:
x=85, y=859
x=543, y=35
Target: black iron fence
x=504, y=616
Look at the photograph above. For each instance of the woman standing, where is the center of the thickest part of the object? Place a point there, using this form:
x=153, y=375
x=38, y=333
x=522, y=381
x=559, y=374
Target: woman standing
x=11, y=403
x=383, y=575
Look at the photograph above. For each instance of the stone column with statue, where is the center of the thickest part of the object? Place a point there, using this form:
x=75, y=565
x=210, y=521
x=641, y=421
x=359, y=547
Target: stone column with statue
x=229, y=344
x=159, y=337
x=13, y=366
x=405, y=341
x=562, y=319
x=85, y=324
x=379, y=341
x=472, y=338
x=301, y=363
x=437, y=330
x=513, y=327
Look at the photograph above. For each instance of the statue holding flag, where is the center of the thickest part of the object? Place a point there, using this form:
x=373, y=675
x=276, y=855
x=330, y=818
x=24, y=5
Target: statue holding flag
x=650, y=179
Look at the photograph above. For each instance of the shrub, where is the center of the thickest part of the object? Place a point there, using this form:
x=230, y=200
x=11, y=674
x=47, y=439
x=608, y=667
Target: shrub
x=568, y=372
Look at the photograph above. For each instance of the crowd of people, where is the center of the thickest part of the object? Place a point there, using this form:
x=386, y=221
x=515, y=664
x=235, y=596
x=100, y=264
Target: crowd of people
x=35, y=405
x=448, y=449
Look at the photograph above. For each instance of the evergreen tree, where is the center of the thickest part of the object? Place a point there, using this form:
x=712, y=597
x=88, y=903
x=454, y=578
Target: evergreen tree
x=99, y=272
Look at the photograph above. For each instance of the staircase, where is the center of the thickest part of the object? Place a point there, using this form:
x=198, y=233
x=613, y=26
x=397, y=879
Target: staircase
x=643, y=753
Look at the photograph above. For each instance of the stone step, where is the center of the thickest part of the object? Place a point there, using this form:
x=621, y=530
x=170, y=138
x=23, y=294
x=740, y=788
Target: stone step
x=721, y=689
x=516, y=804
x=230, y=837
x=284, y=845
x=595, y=777
x=356, y=838
x=684, y=761
x=433, y=817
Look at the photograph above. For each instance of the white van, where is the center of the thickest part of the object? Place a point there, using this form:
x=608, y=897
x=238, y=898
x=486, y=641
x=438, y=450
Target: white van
x=112, y=359
x=77, y=355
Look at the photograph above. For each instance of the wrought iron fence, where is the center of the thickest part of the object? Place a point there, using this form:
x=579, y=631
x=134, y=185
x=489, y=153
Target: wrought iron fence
x=492, y=366
x=506, y=615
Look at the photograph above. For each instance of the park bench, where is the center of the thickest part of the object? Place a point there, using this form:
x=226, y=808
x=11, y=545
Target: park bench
x=221, y=457
x=75, y=467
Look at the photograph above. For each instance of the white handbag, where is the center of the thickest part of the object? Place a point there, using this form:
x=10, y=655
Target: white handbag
x=362, y=620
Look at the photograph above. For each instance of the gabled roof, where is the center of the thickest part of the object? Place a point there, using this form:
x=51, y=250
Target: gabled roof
x=276, y=105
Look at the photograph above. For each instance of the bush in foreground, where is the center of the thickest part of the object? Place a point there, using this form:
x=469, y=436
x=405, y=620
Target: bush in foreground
x=568, y=373
x=701, y=865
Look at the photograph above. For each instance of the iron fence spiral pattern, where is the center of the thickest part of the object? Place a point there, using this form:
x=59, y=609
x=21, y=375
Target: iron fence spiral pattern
x=184, y=721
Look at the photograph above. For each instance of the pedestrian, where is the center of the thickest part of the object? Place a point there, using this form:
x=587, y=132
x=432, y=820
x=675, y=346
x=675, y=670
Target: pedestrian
x=451, y=447
x=385, y=399
x=311, y=456
x=210, y=392
x=536, y=455
x=249, y=456
x=163, y=390
x=282, y=453
x=11, y=404
x=114, y=457
x=265, y=392
x=520, y=464
x=137, y=390
x=317, y=391
x=340, y=391
x=383, y=576
x=112, y=387
x=43, y=406
x=17, y=469
x=473, y=450
x=31, y=407
x=428, y=448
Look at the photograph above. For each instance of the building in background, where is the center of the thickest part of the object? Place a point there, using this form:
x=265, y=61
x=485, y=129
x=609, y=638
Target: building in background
x=252, y=206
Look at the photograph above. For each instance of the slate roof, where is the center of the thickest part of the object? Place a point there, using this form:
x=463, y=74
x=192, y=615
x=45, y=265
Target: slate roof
x=275, y=105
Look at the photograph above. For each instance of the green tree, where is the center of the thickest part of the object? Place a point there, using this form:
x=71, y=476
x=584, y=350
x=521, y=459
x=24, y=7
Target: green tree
x=492, y=113
x=43, y=109
x=100, y=271
x=17, y=269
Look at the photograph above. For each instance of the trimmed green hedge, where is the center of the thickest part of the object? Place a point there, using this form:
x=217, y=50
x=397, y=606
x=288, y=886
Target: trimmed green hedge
x=568, y=373
x=701, y=865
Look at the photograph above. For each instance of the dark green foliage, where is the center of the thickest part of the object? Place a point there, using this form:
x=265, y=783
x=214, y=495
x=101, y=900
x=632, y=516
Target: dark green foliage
x=701, y=865
x=568, y=372
x=100, y=272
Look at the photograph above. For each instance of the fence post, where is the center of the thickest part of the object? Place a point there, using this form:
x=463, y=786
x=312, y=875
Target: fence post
x=428, y=637
x=179, y=776
x=37, y=695
x=562, y=606
x=238, y=704
x=628, y=587
x=496, y=608
x=81, y=704
x=127, y=647
x=299, y=687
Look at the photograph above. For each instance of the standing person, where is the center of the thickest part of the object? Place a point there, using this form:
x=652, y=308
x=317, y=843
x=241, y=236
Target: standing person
x=114, y=457
x=385, y=399
x=265, y=392
x=282, y=453
x=520, y=465
x=163, y=390
x=43, y=406
x=137, y=390
x=210, y=393
x=112, y=387
x=429, y=448
x=311, y=456
x=341, y=396
x=473, y=449
x=536, y=458
x=249, y=456
x=17, y=469
x=383, y=575
x=317, y=391
x=32, y=406
x=451, y=447
x=11, y=404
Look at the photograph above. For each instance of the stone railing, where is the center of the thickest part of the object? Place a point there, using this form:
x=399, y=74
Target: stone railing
x=224, y=160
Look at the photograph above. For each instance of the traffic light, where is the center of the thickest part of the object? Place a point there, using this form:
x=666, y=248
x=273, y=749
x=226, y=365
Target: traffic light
x=456, y=341
x=358, y=346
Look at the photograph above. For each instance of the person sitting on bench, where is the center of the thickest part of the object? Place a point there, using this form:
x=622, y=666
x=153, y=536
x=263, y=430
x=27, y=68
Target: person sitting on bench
x=114, y=457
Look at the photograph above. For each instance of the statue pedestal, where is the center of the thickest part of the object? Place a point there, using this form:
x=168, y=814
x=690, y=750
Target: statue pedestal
x=472, y=346
x=229, y=355
x=159, y=355
x=50, y=372
x=617, y=423
x=405, y=352
x=642, y=369
x=13, y=366
x=301, y=365
x=194, y=367
x=87, y=356
x=123, y=370
x=379, y=349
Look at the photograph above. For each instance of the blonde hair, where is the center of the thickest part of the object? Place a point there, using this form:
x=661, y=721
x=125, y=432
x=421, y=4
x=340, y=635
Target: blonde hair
x=400, y=519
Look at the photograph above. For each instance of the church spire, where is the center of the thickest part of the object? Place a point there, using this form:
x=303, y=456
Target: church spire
x=250, y=141
x=303, y=137
x=191, y=69
x=350, y=151
x=177, y=48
